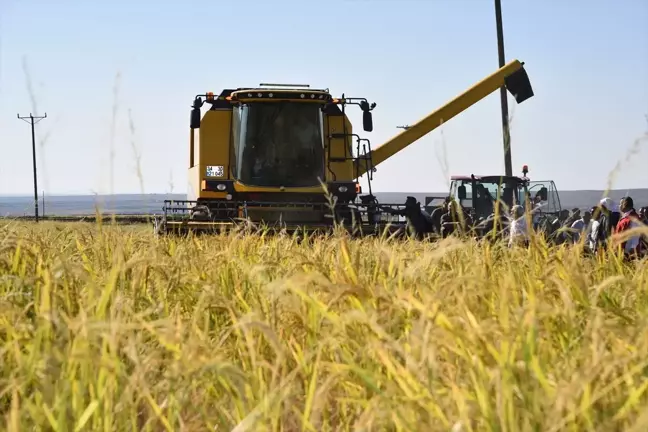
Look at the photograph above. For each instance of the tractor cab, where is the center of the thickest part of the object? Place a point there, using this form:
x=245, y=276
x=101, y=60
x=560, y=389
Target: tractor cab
x=478, y=195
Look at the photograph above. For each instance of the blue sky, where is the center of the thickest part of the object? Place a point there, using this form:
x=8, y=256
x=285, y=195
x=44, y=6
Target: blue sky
x=587, y=60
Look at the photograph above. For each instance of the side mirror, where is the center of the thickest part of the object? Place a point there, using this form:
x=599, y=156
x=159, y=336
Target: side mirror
x=367, y=121
x=194, y=123
x=461, y=192
x=195, y=118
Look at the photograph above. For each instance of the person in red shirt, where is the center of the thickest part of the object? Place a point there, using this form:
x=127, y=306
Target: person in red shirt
x=628, y=221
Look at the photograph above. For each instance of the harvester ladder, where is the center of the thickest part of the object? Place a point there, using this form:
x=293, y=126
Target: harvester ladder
x=364, y=155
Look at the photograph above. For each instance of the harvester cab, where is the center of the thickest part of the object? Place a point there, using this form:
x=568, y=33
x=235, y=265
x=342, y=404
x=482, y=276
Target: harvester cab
x=287, y=155
x=277, y=154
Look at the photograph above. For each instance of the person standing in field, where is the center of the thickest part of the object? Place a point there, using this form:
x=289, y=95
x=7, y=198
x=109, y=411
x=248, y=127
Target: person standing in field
x=629, y=220
x=518, y=228
x=575, y=215
x=537, y=205
x=419, y=223
x=581, y=226
x=438, y=213
x=611, y=214
x=455, y=220
x=643, y=215
x=593, y=235
x=608, y=215
x=643, y=218
x=558, y=228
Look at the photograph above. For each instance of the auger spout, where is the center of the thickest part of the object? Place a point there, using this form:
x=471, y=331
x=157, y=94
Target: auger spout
x=512, y=75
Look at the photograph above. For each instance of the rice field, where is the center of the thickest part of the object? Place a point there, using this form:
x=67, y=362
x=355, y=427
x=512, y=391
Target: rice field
x=108, y=328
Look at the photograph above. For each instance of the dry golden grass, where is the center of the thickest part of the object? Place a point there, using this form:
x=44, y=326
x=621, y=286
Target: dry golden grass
x=109, y=328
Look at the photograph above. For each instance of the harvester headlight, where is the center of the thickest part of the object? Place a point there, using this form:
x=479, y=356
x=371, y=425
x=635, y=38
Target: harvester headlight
x=270, y=94
x=302, y=95
x=228, y=197
x=342, y=189
x=221, y=187
x=249, y=94
x=260, y=94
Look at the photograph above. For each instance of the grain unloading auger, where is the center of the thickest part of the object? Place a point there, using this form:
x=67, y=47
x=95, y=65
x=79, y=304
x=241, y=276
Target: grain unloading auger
x=280, y=155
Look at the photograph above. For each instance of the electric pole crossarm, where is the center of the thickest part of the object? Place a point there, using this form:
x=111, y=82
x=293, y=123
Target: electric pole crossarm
x=32, y=120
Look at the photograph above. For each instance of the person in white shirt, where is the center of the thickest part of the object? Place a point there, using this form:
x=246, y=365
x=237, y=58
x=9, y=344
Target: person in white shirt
x=580, y=226
x=518, y=228
x=537, y=207
x=594, y=234
x=610, y=217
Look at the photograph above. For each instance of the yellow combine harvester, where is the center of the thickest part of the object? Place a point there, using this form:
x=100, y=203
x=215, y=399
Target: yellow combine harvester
x=279, y=155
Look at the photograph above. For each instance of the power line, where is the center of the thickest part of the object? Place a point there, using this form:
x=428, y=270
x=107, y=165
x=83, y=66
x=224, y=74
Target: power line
x=32, y=120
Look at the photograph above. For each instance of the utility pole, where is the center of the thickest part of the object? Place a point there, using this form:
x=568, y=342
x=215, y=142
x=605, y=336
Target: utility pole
x=508, y=165
x=33, y=120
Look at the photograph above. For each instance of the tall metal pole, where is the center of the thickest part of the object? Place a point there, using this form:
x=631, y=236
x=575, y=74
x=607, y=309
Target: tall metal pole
x=508, y=165
x=33, y=120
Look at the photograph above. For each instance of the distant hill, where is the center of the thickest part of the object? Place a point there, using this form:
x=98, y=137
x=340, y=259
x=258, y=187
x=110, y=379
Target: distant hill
x=152, y=203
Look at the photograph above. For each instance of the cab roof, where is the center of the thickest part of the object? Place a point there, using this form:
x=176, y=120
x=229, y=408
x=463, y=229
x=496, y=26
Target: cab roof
x=297, y=94
x=487, y=178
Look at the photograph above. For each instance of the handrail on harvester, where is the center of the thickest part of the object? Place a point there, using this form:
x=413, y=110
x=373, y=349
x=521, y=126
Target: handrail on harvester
x=512, y=76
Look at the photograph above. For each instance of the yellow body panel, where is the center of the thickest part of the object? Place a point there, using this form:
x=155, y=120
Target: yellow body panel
x=192, y=148
x=214, y=145
x=340, y=148
x=213, y=195
x=283, y=214
x=240, y=187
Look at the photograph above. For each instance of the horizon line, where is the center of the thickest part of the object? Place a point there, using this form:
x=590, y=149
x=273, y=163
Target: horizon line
x=23, y=195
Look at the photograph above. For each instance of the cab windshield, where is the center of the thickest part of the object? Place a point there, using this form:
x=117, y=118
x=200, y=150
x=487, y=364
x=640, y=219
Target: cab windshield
x=279, y=144
x=485, y=192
